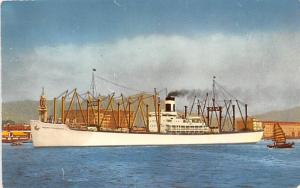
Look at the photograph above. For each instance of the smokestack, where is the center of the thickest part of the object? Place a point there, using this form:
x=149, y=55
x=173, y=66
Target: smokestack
x=170, y=104
x=185, y=111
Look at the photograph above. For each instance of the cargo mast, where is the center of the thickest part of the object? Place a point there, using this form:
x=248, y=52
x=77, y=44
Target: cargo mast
x=93, y=84
x=43, y=116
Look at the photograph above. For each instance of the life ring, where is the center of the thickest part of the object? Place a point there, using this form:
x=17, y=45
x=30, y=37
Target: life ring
x=36, y=127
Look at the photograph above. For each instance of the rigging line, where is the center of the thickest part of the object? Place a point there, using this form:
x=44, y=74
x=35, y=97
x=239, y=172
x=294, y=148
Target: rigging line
x=93, y=97
x=83, y=93
x=216, y=96
x=223, y=94
x=108, y=96
x=125, y=97
x=146, y=97
x=135, y=100
x=119, y=85
x=104, y=96
x=119, y=97
x=81, y=97
x=226, y=96
x=226, y=91
x=242, y=102
x=62, y=94
x=137, y=94
x=84, y=96
x=163, y=90
x=227, y=113
x=193, y=105
x=67, y=95
x=202, y=98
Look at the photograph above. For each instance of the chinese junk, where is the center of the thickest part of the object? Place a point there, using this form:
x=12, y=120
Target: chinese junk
x=279, y=140
x=90, y=120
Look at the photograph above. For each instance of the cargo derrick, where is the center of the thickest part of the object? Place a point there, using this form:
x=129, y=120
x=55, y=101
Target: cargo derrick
x=218, y=111
x=131, y=114
x=110, y=113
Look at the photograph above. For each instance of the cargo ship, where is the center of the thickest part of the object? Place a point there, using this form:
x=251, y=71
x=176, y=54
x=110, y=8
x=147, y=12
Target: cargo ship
x=57, y=135
x=111, y=121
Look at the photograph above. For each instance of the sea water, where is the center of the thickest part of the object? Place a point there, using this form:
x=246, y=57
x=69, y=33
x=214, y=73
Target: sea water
x=242, y=165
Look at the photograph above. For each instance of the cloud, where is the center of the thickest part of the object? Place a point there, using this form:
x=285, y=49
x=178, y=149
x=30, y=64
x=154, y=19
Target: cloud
x=263, y=69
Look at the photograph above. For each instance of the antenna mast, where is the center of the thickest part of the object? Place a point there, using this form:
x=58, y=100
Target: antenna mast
x=213, y=91
x=93, y=84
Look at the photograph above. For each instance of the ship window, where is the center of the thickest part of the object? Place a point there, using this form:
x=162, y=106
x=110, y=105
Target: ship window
x=168, y=107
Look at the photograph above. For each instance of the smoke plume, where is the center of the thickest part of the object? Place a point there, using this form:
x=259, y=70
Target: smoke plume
x=188, y=93
x=178, y=93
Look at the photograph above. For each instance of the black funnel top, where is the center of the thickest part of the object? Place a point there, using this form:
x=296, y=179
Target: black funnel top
x=170, y=98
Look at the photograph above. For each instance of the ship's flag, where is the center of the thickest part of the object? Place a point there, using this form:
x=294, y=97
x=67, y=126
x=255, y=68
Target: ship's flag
x=94, y=69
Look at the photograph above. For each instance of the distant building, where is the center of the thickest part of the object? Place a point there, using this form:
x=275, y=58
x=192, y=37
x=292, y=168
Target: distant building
x=291, y=129
x=16, y=132
x=16, y=127
x=252, y=124
x=257, y=125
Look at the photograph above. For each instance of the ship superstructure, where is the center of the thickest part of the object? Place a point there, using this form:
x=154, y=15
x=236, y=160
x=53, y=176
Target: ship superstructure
x=172, y=123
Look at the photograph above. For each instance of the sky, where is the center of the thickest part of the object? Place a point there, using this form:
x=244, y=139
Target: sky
x=252, y=47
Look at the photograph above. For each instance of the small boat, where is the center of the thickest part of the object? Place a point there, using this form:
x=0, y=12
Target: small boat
x=279, y=139
x=17, y=143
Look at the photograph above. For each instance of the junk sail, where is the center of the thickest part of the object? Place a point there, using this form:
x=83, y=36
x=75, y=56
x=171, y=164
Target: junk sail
x=278, y=134
x=279, y=139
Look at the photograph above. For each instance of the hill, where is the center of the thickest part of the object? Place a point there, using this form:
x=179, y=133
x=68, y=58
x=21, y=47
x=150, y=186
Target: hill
x=24, y=111
x=292, y=114
x=20, y=111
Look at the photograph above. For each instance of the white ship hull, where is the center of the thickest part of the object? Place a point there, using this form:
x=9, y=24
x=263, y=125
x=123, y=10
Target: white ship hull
x=59, y=135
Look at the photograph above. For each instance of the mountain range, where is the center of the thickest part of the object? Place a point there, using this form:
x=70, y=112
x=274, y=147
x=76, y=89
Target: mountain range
x=24, y=111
